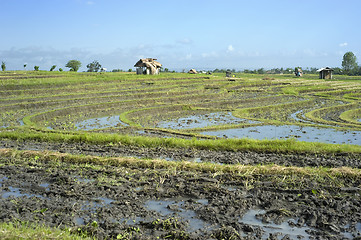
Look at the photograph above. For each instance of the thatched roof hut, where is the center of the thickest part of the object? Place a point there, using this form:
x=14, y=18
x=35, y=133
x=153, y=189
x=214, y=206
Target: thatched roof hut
x=193, y=71
x=325, y=73
x=148, y=66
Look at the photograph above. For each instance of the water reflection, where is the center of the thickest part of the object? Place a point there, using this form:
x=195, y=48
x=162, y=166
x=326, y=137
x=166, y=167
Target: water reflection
x=308, y=134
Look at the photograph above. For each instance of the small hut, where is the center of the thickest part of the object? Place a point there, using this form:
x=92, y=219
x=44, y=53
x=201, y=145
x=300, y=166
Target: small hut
x=193, y=71
x=325, y=73
x=148, y=66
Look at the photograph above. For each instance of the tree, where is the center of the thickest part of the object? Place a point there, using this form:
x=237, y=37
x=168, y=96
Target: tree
x=52, y=68
x=25, y=66
x=349, y=63
x=36, y=68
x=74, y=65
x=260, y=71
x=94, y=66
x=3, y=66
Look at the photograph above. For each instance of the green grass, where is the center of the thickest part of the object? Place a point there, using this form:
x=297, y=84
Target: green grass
x=276, y=146
x=23, y=230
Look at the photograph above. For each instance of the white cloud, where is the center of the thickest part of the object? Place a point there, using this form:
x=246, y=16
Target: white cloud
x=90, y=3
x=343, y=44
x=230, y=48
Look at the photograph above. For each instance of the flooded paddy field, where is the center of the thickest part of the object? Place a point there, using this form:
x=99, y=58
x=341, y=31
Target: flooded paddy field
x=177, y=156
x=301, y=133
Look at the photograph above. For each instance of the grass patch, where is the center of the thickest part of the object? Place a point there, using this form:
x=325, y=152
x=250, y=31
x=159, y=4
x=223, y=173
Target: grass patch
x=317, y=173
x=276, y=146
x=23, y=230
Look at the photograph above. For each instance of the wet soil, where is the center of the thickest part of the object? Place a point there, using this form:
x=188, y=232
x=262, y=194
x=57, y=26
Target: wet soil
x=196, y=155
x=124, y=203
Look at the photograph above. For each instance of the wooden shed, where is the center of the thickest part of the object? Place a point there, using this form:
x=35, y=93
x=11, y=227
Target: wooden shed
x=148, y=66
x=325, y=73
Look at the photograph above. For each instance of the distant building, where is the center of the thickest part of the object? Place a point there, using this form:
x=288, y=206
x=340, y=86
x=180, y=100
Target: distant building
x=325, y=73
x=193, y=71
x=148, y=66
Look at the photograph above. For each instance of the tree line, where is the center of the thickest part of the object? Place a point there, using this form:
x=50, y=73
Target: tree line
x=349, y=67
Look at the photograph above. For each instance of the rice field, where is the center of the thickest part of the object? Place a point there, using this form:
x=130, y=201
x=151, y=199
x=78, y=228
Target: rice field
x=179, y=156
x=190, y=105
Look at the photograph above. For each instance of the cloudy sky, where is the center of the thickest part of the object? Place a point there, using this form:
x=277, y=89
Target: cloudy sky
x=202, y=34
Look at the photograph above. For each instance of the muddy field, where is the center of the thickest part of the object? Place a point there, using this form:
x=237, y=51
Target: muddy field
x=109, y=201
x=124, y=203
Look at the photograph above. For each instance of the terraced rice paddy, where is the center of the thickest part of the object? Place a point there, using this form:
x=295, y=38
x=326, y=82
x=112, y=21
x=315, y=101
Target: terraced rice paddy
x=180, y=156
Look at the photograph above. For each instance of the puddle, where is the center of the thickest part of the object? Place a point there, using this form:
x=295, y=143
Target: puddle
x=44, y=185
x=1, y=180
x=169, y=208
x=105, y=201
x=204, y=120
x=99, y=202
x=308, y=134
x=99, y=123
x=229, y=188
x=20, y=123
x=294, y=116
x=79, y=221
x=283, y=228
x=16, y=192
x=351, y=233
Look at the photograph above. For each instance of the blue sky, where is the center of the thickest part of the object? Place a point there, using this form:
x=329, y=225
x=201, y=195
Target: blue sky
x=180, y=34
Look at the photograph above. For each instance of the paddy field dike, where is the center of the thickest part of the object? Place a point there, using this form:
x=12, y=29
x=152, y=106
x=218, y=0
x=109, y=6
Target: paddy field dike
x=179, y=156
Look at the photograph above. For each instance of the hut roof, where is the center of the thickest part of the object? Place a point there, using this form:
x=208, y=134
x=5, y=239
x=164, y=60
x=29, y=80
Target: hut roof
x=192, y=71
x=148, y=62
x=325, y=69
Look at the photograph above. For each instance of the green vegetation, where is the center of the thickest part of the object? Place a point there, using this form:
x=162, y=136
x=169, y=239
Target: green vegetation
x=74, y=65
x=349, y=63
x=94, y=66
x=3, y=66
x=24, y=230
x=46, y=106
